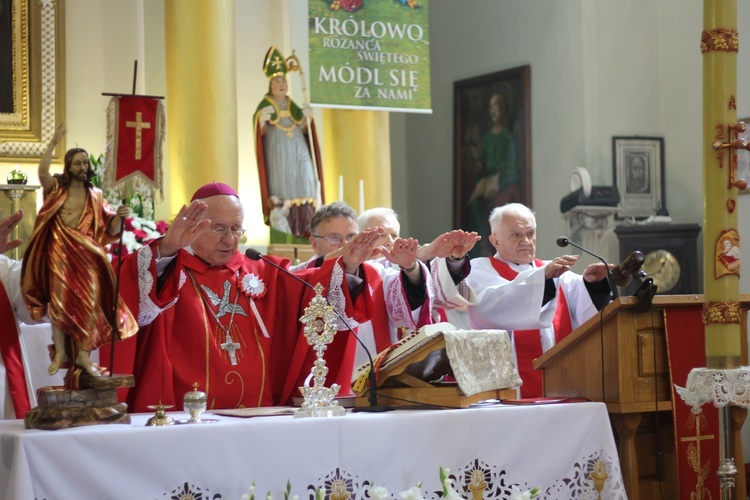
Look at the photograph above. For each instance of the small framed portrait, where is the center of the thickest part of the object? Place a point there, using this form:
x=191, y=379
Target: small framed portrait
x=492, y=148
x=639, y=176
x=743, y=156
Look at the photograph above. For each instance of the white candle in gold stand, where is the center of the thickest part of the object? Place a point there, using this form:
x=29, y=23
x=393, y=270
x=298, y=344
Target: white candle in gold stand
x=720, y=200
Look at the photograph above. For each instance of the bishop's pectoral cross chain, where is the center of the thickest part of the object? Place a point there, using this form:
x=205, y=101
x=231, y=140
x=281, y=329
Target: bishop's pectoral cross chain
x=225, y=307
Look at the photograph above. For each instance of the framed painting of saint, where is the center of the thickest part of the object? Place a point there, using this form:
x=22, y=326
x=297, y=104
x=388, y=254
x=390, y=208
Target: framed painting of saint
x=492, y=148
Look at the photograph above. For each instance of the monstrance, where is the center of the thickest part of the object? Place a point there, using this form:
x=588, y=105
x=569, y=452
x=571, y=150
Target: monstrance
x=320, y=320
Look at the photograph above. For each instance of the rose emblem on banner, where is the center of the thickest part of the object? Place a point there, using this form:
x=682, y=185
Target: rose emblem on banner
x=253, y=286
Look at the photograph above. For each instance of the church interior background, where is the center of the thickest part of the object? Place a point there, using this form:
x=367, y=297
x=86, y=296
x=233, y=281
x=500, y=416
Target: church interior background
x=598, y=70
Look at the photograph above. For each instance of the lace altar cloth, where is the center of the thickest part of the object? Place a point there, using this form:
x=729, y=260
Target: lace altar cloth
x=482, y=360
x=721, y=387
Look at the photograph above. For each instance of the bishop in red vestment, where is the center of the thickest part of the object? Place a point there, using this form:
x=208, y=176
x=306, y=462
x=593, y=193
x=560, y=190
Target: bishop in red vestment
x=210, y=315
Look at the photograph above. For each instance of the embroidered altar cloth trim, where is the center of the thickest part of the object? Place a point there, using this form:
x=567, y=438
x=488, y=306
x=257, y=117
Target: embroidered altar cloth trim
x=720, y=387
x=482, y=360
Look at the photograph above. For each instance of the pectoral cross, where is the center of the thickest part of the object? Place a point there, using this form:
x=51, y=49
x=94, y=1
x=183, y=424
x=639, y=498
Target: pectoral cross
x=230, y=347
x=139, y=125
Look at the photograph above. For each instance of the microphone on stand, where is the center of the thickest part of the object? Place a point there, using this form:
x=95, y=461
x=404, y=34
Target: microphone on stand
x=253, y=254
x=562, y=241
x=625, y=270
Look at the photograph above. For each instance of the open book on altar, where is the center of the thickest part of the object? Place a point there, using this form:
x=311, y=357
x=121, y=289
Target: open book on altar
x=481, y=361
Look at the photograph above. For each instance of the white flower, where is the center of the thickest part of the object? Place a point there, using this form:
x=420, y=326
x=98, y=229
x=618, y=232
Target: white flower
x=517, y=494
x=251, y=493
x=379, y=493
x=129, y=241
x=451, y=494
x=413, y=493
x=448, y=492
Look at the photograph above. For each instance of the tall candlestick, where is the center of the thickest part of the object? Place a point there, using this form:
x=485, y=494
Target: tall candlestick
x=361, y=196
x=341, y=188
x=719, y=49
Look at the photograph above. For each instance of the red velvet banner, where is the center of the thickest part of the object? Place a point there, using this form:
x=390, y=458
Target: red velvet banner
x=696, y=436
x=135, y=142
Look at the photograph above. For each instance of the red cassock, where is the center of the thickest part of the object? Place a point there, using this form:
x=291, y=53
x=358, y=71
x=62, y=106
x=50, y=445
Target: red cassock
x=231, y=329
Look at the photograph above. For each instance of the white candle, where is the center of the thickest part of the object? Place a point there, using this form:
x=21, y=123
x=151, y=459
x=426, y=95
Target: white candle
x=361, y=196
x=341, y=188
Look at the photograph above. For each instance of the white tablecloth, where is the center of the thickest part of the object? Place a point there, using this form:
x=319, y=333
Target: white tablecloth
x=553, y=447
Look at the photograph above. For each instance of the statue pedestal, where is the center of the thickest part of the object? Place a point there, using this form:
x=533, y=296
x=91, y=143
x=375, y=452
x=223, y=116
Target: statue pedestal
x=94, y=403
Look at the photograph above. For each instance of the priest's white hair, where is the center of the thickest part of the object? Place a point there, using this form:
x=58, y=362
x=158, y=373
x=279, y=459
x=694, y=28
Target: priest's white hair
x=363, y=221
x=496, y=216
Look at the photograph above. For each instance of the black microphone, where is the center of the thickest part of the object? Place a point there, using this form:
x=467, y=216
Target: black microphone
x=253, y=254
x=562, y=241
x=623, y=272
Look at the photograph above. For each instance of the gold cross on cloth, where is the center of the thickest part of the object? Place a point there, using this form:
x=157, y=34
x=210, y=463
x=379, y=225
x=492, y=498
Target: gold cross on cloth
x=139, y=125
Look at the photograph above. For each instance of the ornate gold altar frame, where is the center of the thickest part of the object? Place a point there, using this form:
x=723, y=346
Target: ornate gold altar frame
x=38, y=72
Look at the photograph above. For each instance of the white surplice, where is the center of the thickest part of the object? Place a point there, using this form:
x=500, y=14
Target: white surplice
x=517, y=304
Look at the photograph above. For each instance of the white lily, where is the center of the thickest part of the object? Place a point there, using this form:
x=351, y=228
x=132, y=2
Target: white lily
x=251, y=494
x=413, y=493
x=379, y=493
x=517, y=494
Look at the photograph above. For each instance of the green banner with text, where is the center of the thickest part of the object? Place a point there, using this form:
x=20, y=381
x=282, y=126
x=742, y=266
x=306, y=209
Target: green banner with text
x=371, y=54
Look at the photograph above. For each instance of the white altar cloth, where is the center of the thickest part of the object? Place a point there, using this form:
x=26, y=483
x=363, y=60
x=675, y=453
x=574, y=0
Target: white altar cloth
x=553, y=447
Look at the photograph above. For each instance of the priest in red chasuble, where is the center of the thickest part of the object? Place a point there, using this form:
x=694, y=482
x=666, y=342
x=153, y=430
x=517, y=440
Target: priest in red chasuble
x=66, y=272
x=212, y=316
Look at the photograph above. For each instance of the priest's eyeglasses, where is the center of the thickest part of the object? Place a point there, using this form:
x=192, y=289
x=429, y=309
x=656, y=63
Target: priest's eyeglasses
x=335, y=239
x=227, y=231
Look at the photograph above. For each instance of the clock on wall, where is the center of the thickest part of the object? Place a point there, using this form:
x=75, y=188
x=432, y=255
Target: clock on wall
x=670, y=256
x=664, y=268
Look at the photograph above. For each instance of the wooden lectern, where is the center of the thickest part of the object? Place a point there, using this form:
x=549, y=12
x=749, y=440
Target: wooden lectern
x=619, y=357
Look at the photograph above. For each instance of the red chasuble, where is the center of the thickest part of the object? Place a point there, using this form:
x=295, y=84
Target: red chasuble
x=10, y=351
x=528, y=343
x=232, y=329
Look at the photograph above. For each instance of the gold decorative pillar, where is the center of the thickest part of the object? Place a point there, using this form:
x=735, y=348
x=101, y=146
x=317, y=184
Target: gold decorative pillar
x=721, y=314
x=201, y=95
x=357, y=147
x=719, y=47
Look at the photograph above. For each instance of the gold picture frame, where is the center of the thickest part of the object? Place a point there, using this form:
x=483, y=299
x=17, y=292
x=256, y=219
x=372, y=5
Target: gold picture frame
x=36, y=68
x=638, y=174
x=478, y=187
